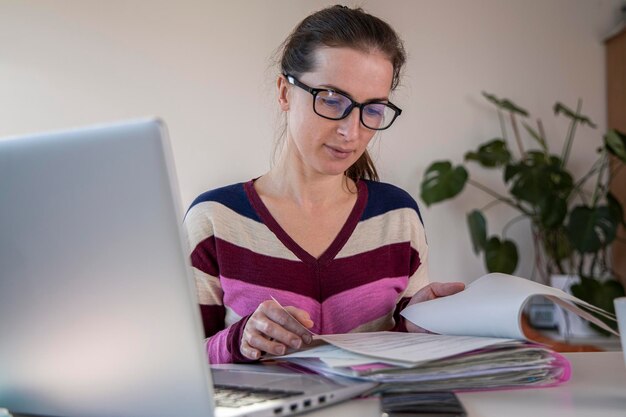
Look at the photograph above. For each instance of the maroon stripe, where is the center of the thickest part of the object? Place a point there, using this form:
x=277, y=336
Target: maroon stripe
x=235, y=334
x=204, y=256
x=317, y=280
x=212, y=318
x=395, y=260
x=399, y=320
x=266, y=271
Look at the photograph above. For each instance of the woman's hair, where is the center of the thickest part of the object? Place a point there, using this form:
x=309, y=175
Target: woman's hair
x=341, y=26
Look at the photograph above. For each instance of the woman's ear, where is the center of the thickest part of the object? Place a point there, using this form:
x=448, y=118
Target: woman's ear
x=283, y=93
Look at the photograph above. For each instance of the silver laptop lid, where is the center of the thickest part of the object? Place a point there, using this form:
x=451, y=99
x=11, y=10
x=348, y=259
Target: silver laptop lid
x=93, y=277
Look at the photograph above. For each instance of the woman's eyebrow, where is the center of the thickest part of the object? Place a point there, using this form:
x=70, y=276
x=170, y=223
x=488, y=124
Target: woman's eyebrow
x=339, y=90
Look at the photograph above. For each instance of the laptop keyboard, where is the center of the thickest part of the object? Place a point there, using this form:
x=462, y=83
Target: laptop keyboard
x=233, y=396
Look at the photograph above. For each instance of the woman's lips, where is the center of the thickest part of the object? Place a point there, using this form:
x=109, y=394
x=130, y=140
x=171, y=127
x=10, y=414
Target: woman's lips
x=338, y=152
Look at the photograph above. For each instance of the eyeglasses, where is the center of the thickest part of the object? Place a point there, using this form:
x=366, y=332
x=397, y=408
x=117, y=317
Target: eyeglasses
x=333, y=105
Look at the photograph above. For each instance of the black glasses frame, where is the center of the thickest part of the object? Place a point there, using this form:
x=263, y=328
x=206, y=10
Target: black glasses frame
x=315, y=91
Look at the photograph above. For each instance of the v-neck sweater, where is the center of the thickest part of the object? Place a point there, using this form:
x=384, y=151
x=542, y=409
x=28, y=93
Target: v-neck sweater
x=241, y=256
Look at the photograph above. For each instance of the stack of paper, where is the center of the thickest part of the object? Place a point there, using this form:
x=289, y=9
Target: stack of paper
x=434, y=362
x=480, y=344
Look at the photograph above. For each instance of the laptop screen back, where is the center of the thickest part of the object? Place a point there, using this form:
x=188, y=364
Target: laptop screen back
x=98, y=315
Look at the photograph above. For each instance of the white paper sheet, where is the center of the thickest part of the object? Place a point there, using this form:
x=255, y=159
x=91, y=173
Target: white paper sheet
x=408, y=347
x=491, y=306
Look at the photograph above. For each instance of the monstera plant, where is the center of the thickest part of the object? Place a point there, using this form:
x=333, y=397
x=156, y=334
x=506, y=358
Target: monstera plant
x=573, y=220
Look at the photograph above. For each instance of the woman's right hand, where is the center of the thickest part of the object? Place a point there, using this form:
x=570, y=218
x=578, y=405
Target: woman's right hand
x=270, y=329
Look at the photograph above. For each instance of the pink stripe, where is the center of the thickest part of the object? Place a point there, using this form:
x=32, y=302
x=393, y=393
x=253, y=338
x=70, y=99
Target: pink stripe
x=256, y=294
x=339, y=314
x=362, y=305
x=216, y=348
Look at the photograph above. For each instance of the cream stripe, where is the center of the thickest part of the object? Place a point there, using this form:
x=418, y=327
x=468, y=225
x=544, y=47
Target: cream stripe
x=382, y=323
x=208, y=287
x=419, y=279
x=231, y=317
x=396, y=226
x=234, y=228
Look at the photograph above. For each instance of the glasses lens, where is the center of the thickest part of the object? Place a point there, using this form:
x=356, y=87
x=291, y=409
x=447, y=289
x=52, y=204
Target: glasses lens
x=331, y=104
x=378, y=115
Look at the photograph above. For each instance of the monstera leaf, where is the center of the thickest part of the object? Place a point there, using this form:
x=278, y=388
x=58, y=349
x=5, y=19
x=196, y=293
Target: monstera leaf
x=506, y=104
x=490, y=155
x=600, y=294
x=537, y=179
x=442, y=181
x=616, y=209
x=552, y=211
x=501, y=256
x=615, y=142
x=566, y=111
x=591, y=229
x=478, y=230
x=557, y=245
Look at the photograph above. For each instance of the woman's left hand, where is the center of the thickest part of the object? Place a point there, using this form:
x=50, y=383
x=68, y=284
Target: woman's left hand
x=430, y=292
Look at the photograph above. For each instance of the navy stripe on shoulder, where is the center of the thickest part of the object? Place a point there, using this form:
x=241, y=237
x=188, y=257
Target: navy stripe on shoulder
x=232, y=196
x=383, y=197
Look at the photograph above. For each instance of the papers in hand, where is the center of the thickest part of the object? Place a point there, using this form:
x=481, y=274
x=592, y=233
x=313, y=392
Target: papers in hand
x=492, y=306
x=480, y=344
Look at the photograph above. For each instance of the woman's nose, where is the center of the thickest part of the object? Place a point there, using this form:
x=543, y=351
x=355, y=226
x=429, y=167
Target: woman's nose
x=350, y=127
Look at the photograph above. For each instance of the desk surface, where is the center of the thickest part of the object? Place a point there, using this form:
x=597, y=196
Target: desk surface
x=597, y=389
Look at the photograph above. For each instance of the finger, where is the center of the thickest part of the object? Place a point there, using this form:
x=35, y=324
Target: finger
x=260, y=341
x=305, y=320
x=414, y=328
x=248, y=351
x=273, y=327
x=444, y=289
x=302, y=316
x=435, y=290
x=291, y=331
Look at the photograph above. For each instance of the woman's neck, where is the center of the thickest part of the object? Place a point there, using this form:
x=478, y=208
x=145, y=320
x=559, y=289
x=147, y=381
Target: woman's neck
x=305, y=189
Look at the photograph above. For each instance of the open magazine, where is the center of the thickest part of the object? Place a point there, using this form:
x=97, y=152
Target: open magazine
x=479, y=343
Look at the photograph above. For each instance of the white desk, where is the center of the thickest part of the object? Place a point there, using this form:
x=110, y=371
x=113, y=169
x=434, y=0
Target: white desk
x=597, y=389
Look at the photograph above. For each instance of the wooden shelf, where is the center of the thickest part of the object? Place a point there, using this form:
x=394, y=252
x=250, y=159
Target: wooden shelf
x=616, y=109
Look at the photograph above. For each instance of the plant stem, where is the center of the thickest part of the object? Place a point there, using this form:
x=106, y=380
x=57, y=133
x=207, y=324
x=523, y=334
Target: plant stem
x=502, y=125
x=581, y=194
x=570, y=136
x=543, y=134
x=510, y=222
x=490, y=204
x=596, y=193
x=499, y=197
x=580, y=265
x=518, y=139
x=593, y=170
x=592, y=267
x=539, y=263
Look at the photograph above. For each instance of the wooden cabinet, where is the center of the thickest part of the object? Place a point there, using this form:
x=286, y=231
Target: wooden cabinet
x=616, y=96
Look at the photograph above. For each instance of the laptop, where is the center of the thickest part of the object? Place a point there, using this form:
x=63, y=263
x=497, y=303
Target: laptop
x=98, y=310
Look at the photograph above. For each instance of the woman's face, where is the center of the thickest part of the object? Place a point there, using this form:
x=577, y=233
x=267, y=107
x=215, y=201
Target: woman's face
x=330, y=147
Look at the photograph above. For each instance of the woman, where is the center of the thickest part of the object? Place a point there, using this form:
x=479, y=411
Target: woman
x=318, y=232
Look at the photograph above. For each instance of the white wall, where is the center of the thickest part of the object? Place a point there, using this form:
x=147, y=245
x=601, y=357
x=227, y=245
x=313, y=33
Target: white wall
x=204, y=67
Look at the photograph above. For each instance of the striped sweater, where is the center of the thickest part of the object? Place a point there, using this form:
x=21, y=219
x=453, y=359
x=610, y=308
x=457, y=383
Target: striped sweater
x=241, y=256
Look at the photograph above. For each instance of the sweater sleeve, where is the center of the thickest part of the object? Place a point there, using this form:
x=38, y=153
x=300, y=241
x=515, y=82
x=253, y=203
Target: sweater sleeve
x=222, y=343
